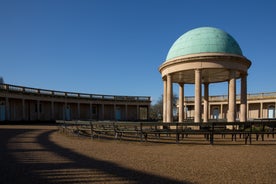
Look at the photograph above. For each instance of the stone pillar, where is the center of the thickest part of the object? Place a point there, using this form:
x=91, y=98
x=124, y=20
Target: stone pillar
x=114, y=112
x=261, y=110
x=243, y=106
x=232, y=97
x=165, y=100
x=126, y=117
x=90, y=111
x=64, y=111
x=197, y=96
x=38, y=109
x=23, y=110
x=181, y=102
x=148, y=112
x=52, y=110
x=206, y=103
x=138, y=112
x=221, y=111
x=169, y=98
x=7, y=105
x=78, y=111
x=248, y=105
x=102, y=113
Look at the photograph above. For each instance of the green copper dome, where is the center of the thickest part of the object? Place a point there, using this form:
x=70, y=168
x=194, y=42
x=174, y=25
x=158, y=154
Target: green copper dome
x=204, y=40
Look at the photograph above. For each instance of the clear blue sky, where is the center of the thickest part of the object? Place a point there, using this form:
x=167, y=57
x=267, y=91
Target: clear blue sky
x=116, y=46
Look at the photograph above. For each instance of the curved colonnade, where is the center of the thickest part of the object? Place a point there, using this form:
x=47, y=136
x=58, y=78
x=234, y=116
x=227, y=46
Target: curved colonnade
x=19, y=103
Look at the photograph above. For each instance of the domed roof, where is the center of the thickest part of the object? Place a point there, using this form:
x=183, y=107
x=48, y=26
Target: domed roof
x=204, y=40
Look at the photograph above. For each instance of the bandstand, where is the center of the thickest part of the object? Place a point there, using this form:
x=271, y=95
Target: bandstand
x=203, y=56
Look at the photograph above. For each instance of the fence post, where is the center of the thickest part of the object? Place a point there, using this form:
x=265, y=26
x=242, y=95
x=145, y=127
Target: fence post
x=141, y=132
x=177, y=133
x=77, y=127
x=263, y=130
x=212, y=134
x=91, y=129
x=250, y=134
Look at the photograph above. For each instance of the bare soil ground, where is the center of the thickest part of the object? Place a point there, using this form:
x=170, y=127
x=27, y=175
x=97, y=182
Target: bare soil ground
x=40, y=154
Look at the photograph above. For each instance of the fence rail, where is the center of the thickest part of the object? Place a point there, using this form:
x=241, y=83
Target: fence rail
x=153, y=131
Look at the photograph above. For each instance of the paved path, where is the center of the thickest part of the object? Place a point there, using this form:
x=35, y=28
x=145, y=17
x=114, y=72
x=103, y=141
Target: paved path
x=29, y=156
x=39, y=154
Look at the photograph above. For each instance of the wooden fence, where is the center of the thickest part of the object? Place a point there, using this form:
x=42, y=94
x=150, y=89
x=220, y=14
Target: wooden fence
x=156, y=131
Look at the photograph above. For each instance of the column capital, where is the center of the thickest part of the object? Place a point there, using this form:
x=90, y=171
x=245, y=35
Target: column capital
x=165, y=77
x=244, y=74
x=232, y=73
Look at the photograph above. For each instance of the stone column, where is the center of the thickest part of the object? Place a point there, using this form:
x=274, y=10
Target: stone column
x=23, y=110
x=102, y=112
x=206, y=102
x=148, y=112
x=52, y=110
x=248, y=105
x=261, y=110
x=221, y=111
x=114, y=112
x=138, y=112
x=165, y=100
x=90, y=111
x=232, y=97
x=126, y=111
x=169, y=98
x=197, y=96
x=78, y=105
x=38, y=109
x=243, y=106
x=126, y=117
x=7, y=105
x=181, y=102
x=64, y=111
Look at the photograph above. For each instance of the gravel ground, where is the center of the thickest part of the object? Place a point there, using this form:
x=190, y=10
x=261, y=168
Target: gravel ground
x=40, y=154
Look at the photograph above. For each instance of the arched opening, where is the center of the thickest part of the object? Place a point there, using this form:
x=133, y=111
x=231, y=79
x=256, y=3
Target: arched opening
x=215, y=113
x=2, y=111
x=118, y=114
x=271, y=111
x=67, y=113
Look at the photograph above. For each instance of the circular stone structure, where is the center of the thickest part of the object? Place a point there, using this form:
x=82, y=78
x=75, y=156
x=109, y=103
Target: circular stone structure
x=202, y=56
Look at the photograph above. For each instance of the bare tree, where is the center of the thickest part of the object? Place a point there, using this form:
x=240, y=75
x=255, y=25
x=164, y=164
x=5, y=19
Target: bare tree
x=156, y=111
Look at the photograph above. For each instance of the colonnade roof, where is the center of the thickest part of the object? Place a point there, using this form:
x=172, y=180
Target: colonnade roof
x=204, y=40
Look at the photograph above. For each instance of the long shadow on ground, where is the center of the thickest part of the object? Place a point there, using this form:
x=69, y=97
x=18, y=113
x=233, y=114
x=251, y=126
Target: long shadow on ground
x=11, y=170
x=77, y=168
